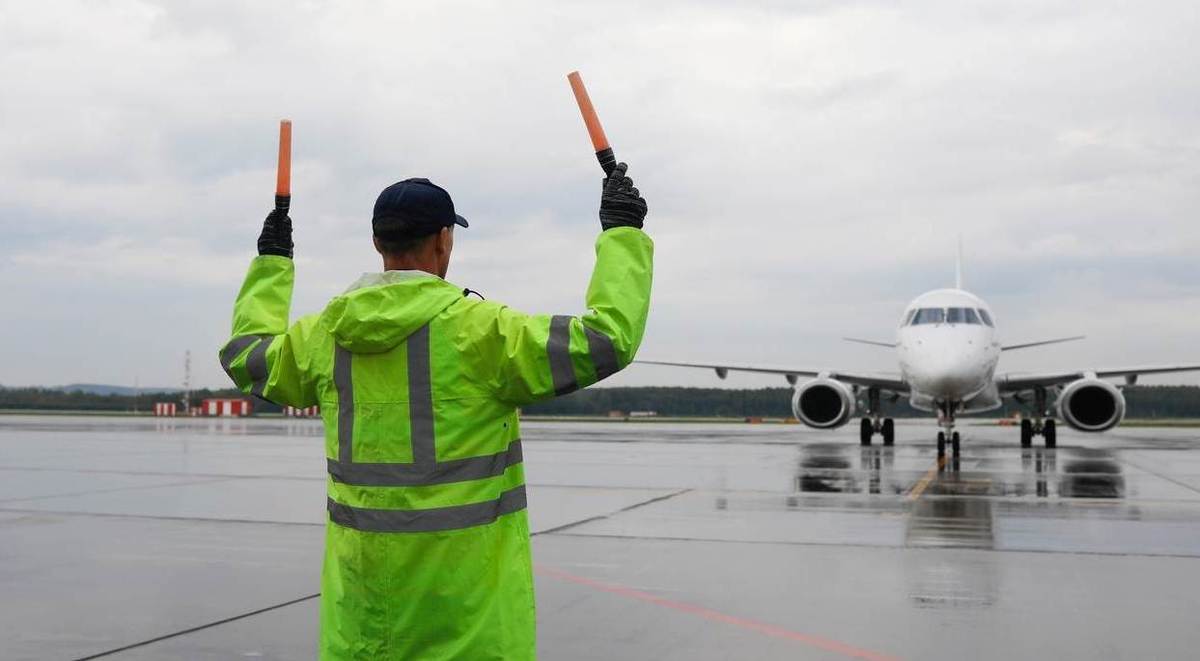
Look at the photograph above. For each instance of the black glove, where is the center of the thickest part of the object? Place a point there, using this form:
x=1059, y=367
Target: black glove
x=276, y=237
x=620, y=203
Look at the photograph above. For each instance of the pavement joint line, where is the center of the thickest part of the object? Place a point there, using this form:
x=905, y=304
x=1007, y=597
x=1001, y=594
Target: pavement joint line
x=651, y=487
x=92, y=492
x=1160, y=476
x=567, y=526
x=888, y=547
x=923, y=483
x=900, y=497
x=281, y=476
x=160, y=517
x=818, y=642
x=104, y=471
x=598, y=517
x=201, y=627
x=157, y=517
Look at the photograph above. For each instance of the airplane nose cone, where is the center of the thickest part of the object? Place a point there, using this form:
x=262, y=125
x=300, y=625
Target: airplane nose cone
x=949, y=384
x=944, y=374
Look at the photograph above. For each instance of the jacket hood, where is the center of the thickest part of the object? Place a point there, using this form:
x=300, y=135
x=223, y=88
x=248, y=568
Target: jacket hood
x=381, y=310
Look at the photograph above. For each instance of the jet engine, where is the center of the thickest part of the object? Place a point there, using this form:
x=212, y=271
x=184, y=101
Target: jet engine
x=824, y=403
x=1091, y=405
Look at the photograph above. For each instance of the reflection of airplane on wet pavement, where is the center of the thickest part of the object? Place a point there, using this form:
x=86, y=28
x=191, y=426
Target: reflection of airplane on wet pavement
x=836, y=468
x=948, y=351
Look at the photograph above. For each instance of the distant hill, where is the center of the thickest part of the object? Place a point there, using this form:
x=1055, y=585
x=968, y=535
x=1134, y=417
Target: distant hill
x=105, y=389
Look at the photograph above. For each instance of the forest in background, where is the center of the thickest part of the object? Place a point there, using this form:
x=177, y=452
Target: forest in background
x=1143, y=402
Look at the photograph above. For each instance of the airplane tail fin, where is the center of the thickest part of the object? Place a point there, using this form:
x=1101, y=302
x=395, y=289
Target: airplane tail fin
x=958, y=273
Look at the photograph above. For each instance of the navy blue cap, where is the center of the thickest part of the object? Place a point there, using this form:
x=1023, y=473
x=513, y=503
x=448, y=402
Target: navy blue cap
x=411, y=208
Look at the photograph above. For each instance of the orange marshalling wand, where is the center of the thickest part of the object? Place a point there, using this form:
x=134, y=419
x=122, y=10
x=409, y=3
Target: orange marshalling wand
x=604, y=152
x=283, y=177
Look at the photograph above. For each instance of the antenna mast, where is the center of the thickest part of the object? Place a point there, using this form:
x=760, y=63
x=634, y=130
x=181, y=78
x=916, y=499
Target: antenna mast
x=187, y=381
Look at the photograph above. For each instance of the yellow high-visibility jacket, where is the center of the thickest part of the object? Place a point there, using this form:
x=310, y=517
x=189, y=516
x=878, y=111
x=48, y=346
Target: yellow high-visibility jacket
x=427, y=544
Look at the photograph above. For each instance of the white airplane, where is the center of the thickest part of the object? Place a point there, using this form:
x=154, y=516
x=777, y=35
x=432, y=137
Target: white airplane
x=948, y=352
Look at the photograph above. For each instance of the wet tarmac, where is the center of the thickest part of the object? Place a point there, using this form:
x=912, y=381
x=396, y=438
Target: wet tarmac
x=201, y=539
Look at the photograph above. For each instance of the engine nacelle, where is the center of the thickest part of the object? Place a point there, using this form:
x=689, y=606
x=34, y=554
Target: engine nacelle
x=1091, y=405
x=824, y=403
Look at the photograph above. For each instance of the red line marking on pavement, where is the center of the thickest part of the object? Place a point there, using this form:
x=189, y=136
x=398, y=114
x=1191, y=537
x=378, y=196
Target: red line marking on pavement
x=826, y=644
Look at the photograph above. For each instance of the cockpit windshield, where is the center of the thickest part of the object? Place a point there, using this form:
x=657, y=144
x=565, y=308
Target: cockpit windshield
x=969, y=316
x=962, y=316
x=929, y=316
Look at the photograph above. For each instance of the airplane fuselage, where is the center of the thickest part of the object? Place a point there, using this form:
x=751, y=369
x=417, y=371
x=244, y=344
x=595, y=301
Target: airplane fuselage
x=948, y=351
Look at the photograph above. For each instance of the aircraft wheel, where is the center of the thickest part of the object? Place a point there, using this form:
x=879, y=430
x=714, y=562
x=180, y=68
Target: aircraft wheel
x=889, y=431
x=941, y=444
x=865, y=431
x=1050, y=433
x=1026, y=433
x=954, y=443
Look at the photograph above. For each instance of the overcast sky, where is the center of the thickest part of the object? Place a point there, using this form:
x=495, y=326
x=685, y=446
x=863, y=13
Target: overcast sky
x=808, y=166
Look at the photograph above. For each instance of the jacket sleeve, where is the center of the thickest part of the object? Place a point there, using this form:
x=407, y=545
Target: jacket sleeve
x=265, y=358
x=535, y=357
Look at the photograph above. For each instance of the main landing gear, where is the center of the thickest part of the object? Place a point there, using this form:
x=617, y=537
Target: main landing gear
x=1039, y=425
x=1046, y=428
x=885, y=427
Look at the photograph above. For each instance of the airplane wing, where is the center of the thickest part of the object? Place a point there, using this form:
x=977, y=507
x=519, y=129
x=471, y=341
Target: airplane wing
x=892, y=383
x=1042, y=343
x=1018, y=382
x=875, y=343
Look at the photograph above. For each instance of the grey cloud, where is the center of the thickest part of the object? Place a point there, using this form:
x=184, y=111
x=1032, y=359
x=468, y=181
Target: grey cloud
x=808, y=165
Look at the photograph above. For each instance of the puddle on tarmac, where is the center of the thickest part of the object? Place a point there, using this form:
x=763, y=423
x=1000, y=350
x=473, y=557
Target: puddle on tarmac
x=847, y=469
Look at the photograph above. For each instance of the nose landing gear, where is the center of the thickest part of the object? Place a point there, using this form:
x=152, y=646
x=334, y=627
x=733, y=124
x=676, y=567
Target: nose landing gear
x=946, y=419
x=955, y=443
x=875, y=424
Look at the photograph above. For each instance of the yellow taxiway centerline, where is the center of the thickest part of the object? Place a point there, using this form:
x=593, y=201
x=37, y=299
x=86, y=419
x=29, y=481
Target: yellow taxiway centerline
x=923, y=483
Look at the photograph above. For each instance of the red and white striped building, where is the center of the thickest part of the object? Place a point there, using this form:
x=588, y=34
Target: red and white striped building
x=306, y=412
x=165, y=409
x=225, y=408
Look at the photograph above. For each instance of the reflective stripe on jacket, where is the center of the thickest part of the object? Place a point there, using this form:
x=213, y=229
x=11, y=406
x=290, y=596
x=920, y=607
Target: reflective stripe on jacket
x=427, y=546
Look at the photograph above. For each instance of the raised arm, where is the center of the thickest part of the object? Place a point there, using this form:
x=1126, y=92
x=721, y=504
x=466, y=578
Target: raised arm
x=534, y=357
x=264, y=357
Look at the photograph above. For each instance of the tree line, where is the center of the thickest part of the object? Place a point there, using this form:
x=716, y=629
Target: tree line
x=1143, y=402
x=54, y=399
